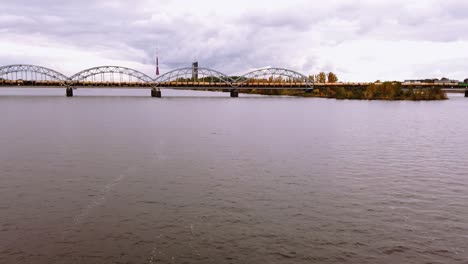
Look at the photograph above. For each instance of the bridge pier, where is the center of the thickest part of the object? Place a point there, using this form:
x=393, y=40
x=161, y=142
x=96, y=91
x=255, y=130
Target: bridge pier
x=69, y=92
x=156, y=93
x=466, y=93
x=234, y=93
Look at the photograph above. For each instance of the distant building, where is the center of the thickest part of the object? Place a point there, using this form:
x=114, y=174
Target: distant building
x=412, y=81
x=195, y=70
x=443, y=80
x=446, y=80
x=421, y=81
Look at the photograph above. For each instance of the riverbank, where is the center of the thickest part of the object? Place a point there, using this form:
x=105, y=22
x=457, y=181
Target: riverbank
x=377, y=91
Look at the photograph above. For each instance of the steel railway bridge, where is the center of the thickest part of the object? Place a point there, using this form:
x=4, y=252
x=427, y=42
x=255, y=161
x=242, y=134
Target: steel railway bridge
x=23, y=75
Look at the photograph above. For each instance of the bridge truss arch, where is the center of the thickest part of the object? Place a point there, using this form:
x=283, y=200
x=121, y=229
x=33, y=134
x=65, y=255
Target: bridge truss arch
x=114, y=74
x=28, y=72
x=194, y=76
x=278, y=77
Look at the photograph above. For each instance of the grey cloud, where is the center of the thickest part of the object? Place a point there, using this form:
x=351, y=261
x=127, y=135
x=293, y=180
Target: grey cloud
x=232, y=44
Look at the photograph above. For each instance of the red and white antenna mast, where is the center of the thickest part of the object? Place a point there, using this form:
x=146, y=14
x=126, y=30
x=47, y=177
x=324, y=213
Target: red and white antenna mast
x=157, y=63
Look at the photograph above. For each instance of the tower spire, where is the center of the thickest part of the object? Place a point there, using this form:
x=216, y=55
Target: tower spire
x=157, y=63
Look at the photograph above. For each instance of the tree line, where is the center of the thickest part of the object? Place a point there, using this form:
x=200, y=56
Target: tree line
x=374, y=91
x=323, y=77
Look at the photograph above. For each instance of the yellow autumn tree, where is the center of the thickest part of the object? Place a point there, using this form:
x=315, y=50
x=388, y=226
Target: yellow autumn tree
x=332, y=78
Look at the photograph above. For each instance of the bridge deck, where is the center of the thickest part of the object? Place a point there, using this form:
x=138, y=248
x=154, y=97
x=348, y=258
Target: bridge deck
x=211, y=86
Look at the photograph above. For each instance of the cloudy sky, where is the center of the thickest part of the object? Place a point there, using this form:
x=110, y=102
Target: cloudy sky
x=360, y=40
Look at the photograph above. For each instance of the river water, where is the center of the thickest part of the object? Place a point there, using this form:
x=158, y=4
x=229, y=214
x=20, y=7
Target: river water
x=198, y=177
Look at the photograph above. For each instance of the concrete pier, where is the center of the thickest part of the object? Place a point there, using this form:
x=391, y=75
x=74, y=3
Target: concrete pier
x=235, y=93
x=69, y=92
x=156, y=93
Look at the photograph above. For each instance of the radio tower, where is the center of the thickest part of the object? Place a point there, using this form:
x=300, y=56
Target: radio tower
x=157, y=64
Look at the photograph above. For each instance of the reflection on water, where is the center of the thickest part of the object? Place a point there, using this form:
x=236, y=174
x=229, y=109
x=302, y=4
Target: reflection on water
x=99, y=179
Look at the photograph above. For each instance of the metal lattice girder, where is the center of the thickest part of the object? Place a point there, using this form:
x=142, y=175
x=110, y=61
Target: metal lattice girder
x=82, y=75
x=32, y=69
x=276, y=75
x=187, y=74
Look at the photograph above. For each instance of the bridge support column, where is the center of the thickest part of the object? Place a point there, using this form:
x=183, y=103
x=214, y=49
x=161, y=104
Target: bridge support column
x=156, y=93
x=69, y=92
x=466, y=93
x=235, y=93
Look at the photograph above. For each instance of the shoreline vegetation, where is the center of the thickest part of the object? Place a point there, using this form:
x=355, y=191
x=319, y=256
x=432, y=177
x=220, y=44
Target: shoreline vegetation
x=391, y=91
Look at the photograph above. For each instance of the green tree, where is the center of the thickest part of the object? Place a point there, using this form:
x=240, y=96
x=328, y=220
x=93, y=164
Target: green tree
x=340, y=93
